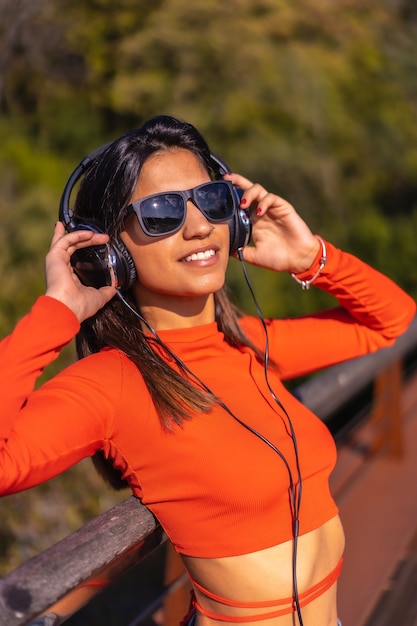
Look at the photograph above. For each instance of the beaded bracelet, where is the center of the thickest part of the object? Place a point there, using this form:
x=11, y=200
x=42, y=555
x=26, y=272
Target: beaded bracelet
x=305, y=284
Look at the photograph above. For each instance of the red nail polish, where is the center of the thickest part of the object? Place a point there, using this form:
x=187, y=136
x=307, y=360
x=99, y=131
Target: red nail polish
x=243, y=201
x=258, y=210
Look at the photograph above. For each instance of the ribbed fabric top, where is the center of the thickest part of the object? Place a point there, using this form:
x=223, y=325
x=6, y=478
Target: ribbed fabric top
x=217, y=489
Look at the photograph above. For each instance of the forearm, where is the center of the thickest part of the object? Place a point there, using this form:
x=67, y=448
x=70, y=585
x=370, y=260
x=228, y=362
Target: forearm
x=373, y=312
x=36, y=342
x=370, y=297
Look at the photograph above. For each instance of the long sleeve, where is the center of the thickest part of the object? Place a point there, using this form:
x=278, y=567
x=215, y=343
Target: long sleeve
x=45, y=431
x=101, y=402
x=373, y=311
x=35, y=343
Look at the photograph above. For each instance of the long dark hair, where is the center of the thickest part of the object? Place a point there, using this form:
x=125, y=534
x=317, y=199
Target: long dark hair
x=103, y=197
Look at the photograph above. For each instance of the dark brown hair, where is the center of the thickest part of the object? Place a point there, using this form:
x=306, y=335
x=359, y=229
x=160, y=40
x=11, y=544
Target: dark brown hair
x=103, y=197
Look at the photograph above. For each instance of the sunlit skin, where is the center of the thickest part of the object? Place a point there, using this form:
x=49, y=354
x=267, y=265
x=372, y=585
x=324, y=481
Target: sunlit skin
x=282, y=242
x=173, y=291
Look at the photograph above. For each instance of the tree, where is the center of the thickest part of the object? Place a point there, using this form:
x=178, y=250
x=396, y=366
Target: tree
x=316, y=99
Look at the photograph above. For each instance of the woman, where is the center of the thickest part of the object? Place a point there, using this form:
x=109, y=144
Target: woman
x=172, y=388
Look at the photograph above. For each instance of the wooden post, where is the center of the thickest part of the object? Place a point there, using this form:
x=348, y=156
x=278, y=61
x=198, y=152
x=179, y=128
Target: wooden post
x=386, y=412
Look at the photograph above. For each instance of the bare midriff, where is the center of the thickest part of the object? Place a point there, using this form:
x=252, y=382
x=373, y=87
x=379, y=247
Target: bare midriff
x=267, y=575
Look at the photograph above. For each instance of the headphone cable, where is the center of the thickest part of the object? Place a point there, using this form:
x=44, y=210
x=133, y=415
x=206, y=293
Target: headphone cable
x=295, y=494
x=296, y=498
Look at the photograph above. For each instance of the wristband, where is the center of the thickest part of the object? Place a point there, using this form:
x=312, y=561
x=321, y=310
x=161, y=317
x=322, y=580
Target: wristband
x=306, y=284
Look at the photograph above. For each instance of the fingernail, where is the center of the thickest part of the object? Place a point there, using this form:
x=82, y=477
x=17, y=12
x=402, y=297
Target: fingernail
x=243, y=201
x=258, y=211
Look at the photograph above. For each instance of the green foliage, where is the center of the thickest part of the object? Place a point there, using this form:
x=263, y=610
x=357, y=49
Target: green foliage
x=315, y=99
x=30, y=181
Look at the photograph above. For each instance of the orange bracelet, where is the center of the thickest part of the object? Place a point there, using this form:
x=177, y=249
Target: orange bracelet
x=305, y=284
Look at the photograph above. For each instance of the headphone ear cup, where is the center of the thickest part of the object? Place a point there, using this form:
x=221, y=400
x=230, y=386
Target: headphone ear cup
x=124, y=267
x=240, y=226
x=104, y=265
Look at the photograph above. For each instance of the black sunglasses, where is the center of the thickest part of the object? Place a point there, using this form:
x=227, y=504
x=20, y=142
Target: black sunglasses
x=164, y=213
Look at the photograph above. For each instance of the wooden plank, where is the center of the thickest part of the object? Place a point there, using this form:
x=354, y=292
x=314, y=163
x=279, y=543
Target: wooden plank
x=68, y=574
x=329, y=390
x=378, y=507
x=398, y=604
x=71, y=572
x=386, y=414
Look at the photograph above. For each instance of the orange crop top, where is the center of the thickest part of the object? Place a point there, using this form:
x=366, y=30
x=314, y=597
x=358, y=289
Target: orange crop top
x=216, y=488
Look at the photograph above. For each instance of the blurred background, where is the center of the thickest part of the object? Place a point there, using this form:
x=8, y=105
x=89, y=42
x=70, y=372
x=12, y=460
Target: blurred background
x=315, y=99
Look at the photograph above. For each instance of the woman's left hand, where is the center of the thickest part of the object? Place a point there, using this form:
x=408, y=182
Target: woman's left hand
x=281, y=239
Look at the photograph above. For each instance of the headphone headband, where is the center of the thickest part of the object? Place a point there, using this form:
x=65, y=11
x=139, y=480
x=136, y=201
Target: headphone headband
x=112, y=264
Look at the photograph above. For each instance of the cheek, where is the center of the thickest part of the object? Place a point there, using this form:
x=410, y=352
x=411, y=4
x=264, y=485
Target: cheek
x=150, y=263
x=153, y=260
x=143, y=250
x=223, y=232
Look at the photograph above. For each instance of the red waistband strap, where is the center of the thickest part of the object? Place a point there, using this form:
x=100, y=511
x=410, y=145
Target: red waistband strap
x=304, y=598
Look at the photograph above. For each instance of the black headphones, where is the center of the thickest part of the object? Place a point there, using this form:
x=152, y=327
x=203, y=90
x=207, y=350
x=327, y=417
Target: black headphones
x=111, y=264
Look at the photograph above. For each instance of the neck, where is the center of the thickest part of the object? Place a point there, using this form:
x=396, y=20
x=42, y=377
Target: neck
x=182, y=312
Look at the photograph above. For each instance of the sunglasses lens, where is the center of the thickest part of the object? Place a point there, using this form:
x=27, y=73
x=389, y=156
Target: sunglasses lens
x=215, y=200
x=162, y=214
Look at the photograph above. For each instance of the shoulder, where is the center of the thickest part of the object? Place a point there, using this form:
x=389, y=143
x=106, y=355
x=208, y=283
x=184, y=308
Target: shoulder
x=255, y=330
x=107, y=385
x=110, y=364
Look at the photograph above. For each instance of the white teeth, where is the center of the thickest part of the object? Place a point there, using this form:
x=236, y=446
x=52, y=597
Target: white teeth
x=200, y=256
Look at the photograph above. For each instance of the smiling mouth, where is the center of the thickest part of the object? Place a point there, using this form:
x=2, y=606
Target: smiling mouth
x=200, y=256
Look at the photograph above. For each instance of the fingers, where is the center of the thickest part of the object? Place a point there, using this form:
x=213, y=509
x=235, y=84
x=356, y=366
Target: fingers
x=61, y=281
x=256, y=197
x=75, y=239
x=238, y=180
x=63, y=244
x=59, y=231
x=281, y=240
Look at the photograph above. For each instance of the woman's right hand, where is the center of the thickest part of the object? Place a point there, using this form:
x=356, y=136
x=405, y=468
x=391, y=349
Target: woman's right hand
x=61, y=281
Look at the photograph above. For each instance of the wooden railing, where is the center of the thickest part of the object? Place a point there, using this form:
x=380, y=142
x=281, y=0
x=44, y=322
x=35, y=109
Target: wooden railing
x=52, y=586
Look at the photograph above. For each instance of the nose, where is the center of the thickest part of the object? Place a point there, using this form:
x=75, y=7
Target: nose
x=196, y=224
